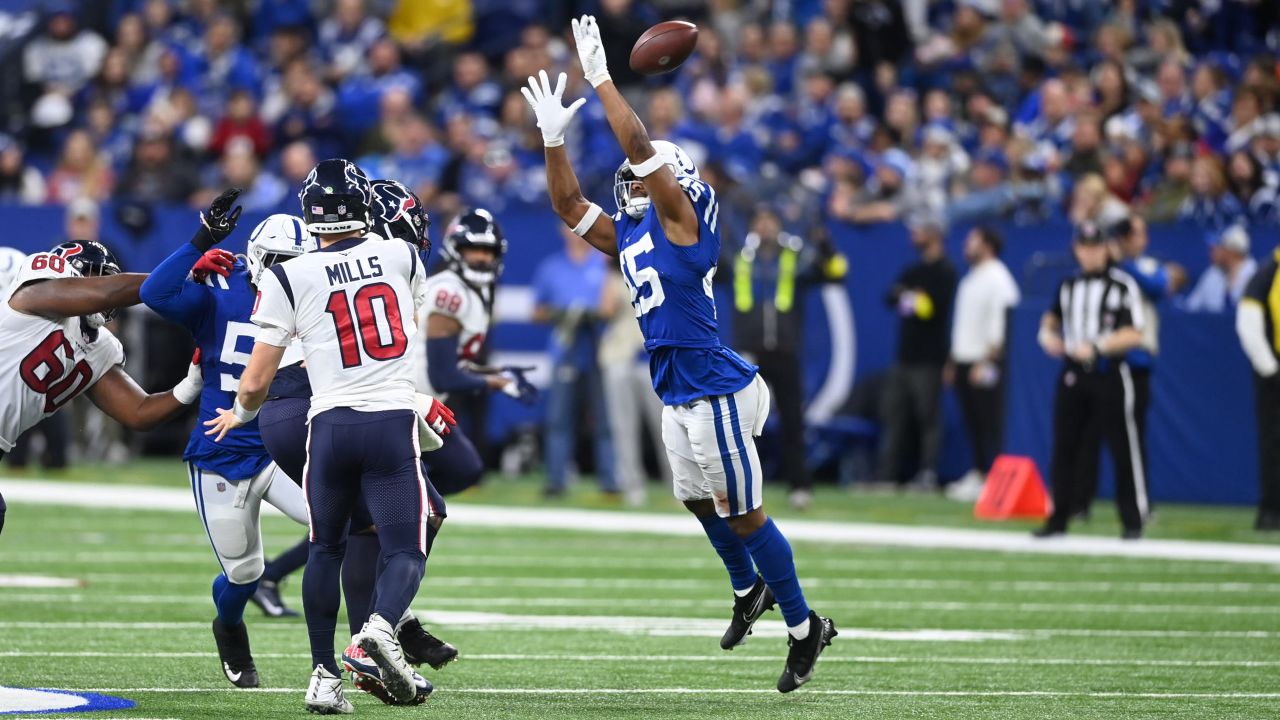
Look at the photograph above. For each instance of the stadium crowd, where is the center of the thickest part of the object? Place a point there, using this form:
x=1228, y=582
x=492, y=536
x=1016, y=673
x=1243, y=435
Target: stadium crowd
x=868, y=109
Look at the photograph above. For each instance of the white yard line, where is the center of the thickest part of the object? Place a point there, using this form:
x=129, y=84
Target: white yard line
x=735, y=658
x=38, y=581
x=945, y=606
x=19, y=491
x=753, y=691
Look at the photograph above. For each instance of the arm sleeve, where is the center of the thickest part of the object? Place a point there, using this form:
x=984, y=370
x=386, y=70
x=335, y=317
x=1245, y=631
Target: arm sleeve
x=273, y=310
x=443, y=370
x=1251, y=326
x=167, y=290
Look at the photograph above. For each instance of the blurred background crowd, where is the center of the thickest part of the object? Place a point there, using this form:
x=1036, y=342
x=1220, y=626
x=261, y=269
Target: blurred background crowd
x=805, y=115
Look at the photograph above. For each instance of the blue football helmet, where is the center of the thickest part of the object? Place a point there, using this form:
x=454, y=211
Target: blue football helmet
x=398, y=213
x=336, y=198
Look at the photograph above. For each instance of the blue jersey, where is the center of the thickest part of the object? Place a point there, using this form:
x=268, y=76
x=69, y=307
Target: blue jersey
x=671, y=295
x=217, y=314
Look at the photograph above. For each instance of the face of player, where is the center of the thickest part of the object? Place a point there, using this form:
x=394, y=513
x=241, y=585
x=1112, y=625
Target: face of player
x=478, y=256
x=1092, y=257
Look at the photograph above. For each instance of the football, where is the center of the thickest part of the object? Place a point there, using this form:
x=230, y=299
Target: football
x=663, y=47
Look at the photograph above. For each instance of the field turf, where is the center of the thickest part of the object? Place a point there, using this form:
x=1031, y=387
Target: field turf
x=571, y=624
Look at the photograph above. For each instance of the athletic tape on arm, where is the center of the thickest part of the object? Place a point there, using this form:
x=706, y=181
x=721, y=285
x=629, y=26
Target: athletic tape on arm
x=648, y=167
x=588, y=219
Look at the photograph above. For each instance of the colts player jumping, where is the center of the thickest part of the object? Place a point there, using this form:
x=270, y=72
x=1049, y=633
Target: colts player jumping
x=55, y=346
x=667, y=237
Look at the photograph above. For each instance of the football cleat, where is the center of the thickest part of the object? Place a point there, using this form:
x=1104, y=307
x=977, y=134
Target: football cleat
x=746, y=611
x=324, y=694
x=368, y=678
x=421, y=646
x=377, y=639
x=267, y=598
x=234, y=654
x=804, y=653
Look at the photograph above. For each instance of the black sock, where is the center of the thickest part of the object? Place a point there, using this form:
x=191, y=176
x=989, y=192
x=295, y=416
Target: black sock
x=403, y=565
x=287, y=562
x=321, y=595
x=359, y=577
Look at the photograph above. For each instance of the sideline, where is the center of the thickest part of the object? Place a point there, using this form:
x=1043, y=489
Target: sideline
x=603, y=521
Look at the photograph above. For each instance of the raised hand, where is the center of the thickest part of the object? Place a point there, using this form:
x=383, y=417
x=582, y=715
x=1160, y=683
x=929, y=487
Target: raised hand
x=220, y=219
x=586, y=34
x=216, y=261
x=548, y=107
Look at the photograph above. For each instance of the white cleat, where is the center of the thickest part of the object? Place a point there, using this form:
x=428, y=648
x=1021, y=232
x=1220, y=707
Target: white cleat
x=378, y=640
x=324, y=694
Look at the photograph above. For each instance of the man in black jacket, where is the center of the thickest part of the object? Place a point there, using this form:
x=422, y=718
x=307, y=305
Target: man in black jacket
x=770, y=277
x=922, y=296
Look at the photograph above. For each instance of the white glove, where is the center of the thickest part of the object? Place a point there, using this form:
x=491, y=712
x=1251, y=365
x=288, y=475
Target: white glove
x=586, y=33
x=188, y=391
x=548, y=107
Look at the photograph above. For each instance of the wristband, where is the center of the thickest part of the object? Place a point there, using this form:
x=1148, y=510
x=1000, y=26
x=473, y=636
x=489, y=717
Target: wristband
x=648, y=167
x=187, y=391
x=204, y=239
x=589, y=219
x=243, y=415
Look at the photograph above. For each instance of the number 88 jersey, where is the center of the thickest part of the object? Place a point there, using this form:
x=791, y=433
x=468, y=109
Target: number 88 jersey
x=46, y=362
x=672, y=297
x=448, y=295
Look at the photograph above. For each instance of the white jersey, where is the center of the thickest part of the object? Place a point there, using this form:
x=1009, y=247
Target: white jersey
x=47, y=361
x=352, y=307
x=448, y=295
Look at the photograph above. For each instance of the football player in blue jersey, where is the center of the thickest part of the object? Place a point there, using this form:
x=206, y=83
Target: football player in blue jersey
x=229, y=479
x=667, y=238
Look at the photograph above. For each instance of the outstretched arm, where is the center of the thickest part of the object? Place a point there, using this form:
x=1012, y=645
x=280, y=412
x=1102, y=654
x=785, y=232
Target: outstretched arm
x=675, y=211
x=72, y=296
x=117, y=395
x=586, y=218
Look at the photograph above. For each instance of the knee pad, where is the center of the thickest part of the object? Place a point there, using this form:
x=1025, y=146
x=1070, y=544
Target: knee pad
x=245, y=570
x=230, y=537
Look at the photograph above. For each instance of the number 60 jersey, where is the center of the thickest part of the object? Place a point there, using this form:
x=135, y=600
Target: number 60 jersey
x=45, y=362
x=352, y=307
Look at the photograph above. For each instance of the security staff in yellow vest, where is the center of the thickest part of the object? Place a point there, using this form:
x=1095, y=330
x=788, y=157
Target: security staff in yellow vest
x=770, y=275
x=1258, y=325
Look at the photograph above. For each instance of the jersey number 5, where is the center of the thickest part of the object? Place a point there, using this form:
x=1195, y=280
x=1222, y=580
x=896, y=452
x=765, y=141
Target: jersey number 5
x=46, y=373
x=381, y=332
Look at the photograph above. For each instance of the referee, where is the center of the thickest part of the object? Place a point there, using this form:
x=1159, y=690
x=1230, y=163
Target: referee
x=1095, y=320
x=1258, y=325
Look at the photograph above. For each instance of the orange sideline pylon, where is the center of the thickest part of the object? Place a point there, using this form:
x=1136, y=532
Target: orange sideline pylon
x=1014, y=489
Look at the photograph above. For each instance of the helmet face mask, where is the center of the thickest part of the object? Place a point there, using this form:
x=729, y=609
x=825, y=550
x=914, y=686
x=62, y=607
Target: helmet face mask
x=475, y=229
x=90, y=258
x=397, y=213
x=336, y=198
x=274, y=240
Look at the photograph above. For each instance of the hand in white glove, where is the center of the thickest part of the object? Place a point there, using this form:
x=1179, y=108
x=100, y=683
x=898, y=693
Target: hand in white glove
x=188, y=391
x=548, y=107
x=586, y=34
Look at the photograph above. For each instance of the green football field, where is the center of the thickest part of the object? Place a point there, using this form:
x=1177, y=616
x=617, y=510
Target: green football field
x=565, y=623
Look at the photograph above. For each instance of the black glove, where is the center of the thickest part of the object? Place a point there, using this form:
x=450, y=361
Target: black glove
x=219, y=221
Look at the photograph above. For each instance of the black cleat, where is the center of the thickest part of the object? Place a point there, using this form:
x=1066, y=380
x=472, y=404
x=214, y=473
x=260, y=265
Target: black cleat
x=233, y=652
x=804, y=653
x=1131, y=534
x=746, y=611
x=1048, y=531
x=267, y=598
x=420, y=646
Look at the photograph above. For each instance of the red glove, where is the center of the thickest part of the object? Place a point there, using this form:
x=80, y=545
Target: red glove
x=195, y=357
x=440, y=418
x=216, y=261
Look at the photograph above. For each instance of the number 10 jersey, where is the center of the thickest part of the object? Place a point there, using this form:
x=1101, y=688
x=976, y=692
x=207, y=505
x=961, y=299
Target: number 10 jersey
x=352, y=306
x=673, y=301
x=45, y=362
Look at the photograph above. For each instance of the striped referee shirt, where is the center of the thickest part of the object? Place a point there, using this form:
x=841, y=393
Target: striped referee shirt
x=1091, y=306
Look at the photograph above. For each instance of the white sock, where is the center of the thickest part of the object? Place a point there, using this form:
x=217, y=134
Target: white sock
x=406, y=617
x=743, y=593
x=800, y=631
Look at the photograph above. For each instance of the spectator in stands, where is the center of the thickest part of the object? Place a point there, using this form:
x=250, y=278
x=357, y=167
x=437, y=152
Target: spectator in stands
x=240, y=168
x=1091, y=201
x=922, y=296
x=156, y=174
x=82, y=220
x=567, y=288
x=1210, y=205
x=984, y=298
x=360, y=96
x=771, y=276
x=885, y=197
x=621, y=24
x=80, y=172
x=1221, y=286
x=222, y=65
x=1173, y=189
x=827, y=49
x=60, y=61
x=1258, y=325
x=19, y=182
x=1250, y=187
x=472, y=91
x=241, y=122
x=306, y=112
x=346, y=37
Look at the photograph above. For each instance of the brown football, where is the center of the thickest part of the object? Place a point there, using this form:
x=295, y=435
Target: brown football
x=663, y=47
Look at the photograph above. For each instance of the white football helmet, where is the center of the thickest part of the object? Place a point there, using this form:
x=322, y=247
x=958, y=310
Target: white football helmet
x=625, y=181
x=275, y=240
x=11, y=261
